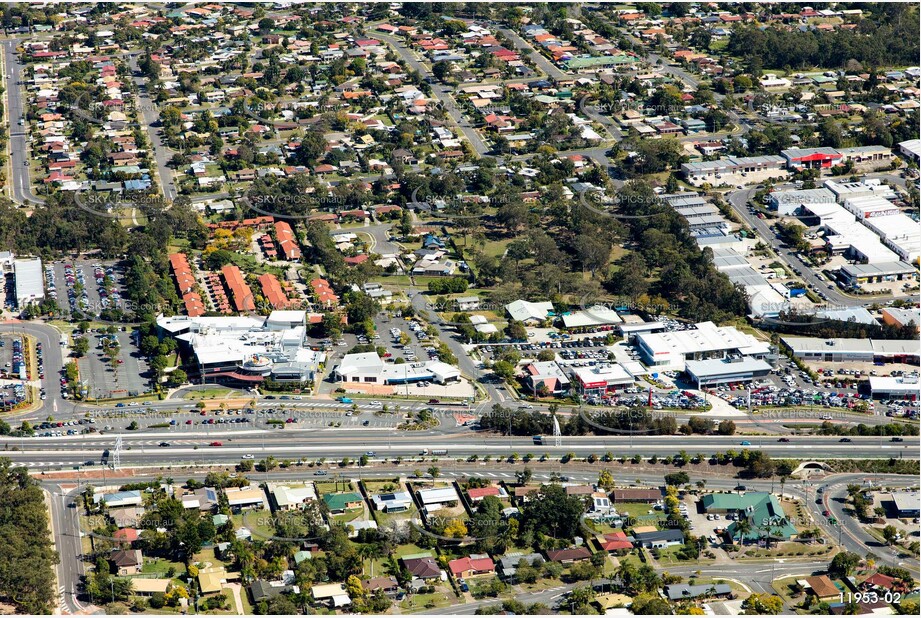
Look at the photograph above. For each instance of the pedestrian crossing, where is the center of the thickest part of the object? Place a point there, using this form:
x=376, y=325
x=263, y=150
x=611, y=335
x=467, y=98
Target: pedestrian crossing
x=62, y=608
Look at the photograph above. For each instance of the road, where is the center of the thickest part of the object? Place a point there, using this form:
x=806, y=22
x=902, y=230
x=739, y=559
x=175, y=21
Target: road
x=53, y=361
x=19, y=146
x=526, y=49
x=441, y=93
x=333, y=443
x=68, y=544
x=739, y=201
x=150, y=117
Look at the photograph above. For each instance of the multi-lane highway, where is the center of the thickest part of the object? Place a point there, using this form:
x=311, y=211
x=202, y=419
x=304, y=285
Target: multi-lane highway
x=335, y=443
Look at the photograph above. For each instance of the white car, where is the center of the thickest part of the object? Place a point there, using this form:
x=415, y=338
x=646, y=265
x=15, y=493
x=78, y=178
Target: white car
x=377, y=404
x=248, y=456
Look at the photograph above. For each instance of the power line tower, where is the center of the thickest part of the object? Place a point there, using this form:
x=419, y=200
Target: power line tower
x=116, y=457
x=557, y=434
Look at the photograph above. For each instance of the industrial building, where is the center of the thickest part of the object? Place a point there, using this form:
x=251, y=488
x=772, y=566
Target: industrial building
x=714, y=372
x=859, y=274
x=902, y=317
x=788, y=203
x=870, y=187
x=844, y=234
x=369, y=368
x=671, y=350
x=911, y=149
x=731, y=170
x=28, y=277
x=887, y=387
x=811, y=158
x=245, y=350
x=815, y=349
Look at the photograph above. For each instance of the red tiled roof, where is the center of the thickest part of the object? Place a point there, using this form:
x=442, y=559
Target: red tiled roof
x=241, y=292
x=466, y=564
x=286, y=241
x=482, y=492
x=272, y=291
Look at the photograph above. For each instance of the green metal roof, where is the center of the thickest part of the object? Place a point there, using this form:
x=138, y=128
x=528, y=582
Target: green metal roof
x=763, y=510
x=337, y=502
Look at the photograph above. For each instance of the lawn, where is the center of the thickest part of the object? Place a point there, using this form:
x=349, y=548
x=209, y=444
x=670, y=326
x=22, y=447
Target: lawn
x=259, y=523
x=398, y=518
x=408, y=549
x=381, y=486
x=208, y=393
x=669, y=556
x=161, y=567
x=348, y=516
x=496, y=248
x=642, y=513
x=333, y=487
x=421, y=602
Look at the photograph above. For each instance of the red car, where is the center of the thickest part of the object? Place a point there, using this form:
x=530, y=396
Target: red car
x=188, y=422
x=216, y=444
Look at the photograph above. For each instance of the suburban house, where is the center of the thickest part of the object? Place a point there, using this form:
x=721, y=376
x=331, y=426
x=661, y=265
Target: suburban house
x=615, y=541
x=568, y=556
x=423, y=567
x=262, y=590
x=396, y=502
x=478, y=493
x=387, y=584
x=474, y=564
x=659, y=538
x=822, y=587
x=127, y=561
x=290, y=498
x=438, y=498
x=342, y=502
x=332, y=595
x=241, y=498
x=147, y=586
x=509, y=563
x=119, y=498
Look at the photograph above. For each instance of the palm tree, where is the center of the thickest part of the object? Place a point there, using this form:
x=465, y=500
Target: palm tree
x=433, y=472
x=743, y=527
x=367, y=552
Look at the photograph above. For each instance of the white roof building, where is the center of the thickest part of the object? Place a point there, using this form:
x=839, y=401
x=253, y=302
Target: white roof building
x=292, y=497
x=30, y=284
x=525, y=311
x=670, y=350
x=334, y=593
x=437, y=498
x=600, y=377
x=369, y=368
x=248, y=346
x=911, y=149
x=597, y=315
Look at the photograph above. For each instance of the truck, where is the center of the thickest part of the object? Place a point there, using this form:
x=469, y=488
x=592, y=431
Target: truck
x=434, y=451
x=538, y=440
